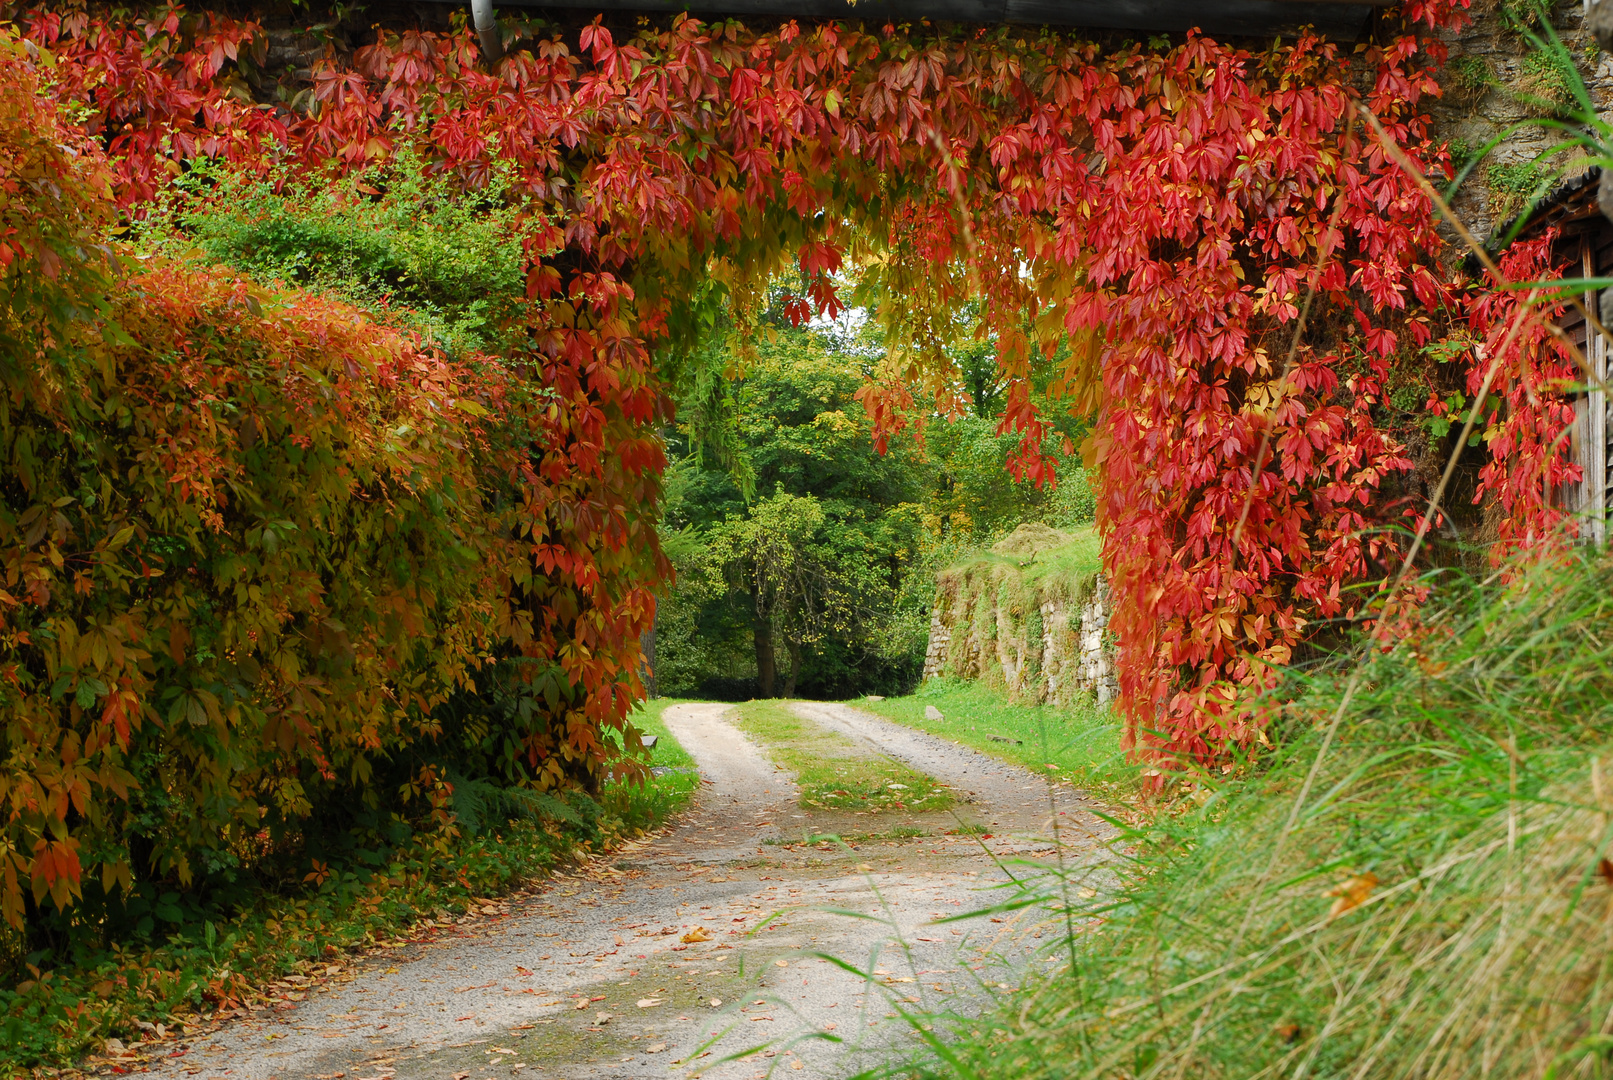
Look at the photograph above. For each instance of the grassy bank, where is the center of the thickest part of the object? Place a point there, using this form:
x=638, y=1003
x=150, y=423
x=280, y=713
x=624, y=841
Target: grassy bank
x=1414, y=883
x=61, y=1007
x=1079, y=743
x=668, y=753
x=1040, y=560
x=832, y=772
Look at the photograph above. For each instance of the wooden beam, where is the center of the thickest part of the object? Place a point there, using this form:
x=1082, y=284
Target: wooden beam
x=1342, y=20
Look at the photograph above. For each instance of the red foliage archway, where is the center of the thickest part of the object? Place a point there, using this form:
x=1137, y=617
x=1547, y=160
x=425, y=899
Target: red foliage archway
x=1162, y=215
x=1170, y=209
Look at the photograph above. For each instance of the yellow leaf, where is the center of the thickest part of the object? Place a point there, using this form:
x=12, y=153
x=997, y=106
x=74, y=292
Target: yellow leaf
x=697, y=934
x=1352, y=894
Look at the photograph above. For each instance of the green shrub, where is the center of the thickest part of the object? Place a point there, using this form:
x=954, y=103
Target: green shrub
x=411, y=249
x=1515, y=185
x=1073, y=503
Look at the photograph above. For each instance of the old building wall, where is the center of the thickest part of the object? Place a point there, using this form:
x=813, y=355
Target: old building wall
x=1495, y=81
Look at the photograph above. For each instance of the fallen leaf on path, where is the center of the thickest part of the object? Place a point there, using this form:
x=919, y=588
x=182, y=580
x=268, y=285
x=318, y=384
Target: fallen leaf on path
x=781, y=963
x=796, y=1064
x=461, y=1075
x=1352, y=894
x=500, y=1050
x=457, y=1019
x=604, y=1018
x=648, y=1003
x=656, y=1049
x=581, y=1005
x=716, y=1002
x=697, y=934
x=929, y=939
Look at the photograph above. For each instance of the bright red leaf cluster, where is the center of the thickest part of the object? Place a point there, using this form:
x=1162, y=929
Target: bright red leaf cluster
x=1527, y=416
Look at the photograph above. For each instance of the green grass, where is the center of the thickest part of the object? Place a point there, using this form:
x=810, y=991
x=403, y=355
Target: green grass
x=1081, y=742
x=1413, y=883
x=60, y=1008
x=833, y=772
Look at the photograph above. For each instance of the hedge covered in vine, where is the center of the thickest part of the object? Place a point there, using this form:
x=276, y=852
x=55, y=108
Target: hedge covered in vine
x=262, y=556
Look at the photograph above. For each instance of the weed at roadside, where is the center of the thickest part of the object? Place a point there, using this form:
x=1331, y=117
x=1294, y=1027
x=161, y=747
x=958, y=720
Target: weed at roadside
x=1423, y=895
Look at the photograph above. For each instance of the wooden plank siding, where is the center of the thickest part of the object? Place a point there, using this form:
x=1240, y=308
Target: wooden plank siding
x=1585, y=244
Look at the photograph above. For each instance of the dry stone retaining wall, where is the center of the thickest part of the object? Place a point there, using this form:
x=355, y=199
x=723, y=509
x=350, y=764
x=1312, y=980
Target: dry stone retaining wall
x=1044, y=639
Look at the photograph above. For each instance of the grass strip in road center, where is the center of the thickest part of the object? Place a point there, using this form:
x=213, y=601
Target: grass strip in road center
x=833, y=772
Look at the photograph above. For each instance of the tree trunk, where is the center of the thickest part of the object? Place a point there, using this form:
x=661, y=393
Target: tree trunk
x=795, y=666
x=647, y=644
x=766, y=669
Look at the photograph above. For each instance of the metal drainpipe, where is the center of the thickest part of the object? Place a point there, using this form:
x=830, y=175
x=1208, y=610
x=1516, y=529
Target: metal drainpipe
x=486, y=30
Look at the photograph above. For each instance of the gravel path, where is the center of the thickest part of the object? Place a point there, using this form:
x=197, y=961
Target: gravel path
x=589, y=977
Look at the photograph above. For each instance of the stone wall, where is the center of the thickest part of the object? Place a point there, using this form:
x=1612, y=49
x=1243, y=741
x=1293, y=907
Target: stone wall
x=1041, y=637
x=1493, y=82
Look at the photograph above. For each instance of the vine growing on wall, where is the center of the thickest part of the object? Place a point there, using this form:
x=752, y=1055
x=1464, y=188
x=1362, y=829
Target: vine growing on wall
x=1526, y=416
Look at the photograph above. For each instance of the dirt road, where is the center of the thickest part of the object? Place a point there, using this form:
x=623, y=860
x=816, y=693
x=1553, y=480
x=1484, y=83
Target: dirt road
x=591, y=977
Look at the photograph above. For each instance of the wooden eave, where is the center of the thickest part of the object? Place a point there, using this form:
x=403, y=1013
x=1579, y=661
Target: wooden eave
x=1342, y=21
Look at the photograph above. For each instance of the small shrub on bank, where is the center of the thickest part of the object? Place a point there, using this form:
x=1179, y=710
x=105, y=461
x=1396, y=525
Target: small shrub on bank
x=409, y=248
